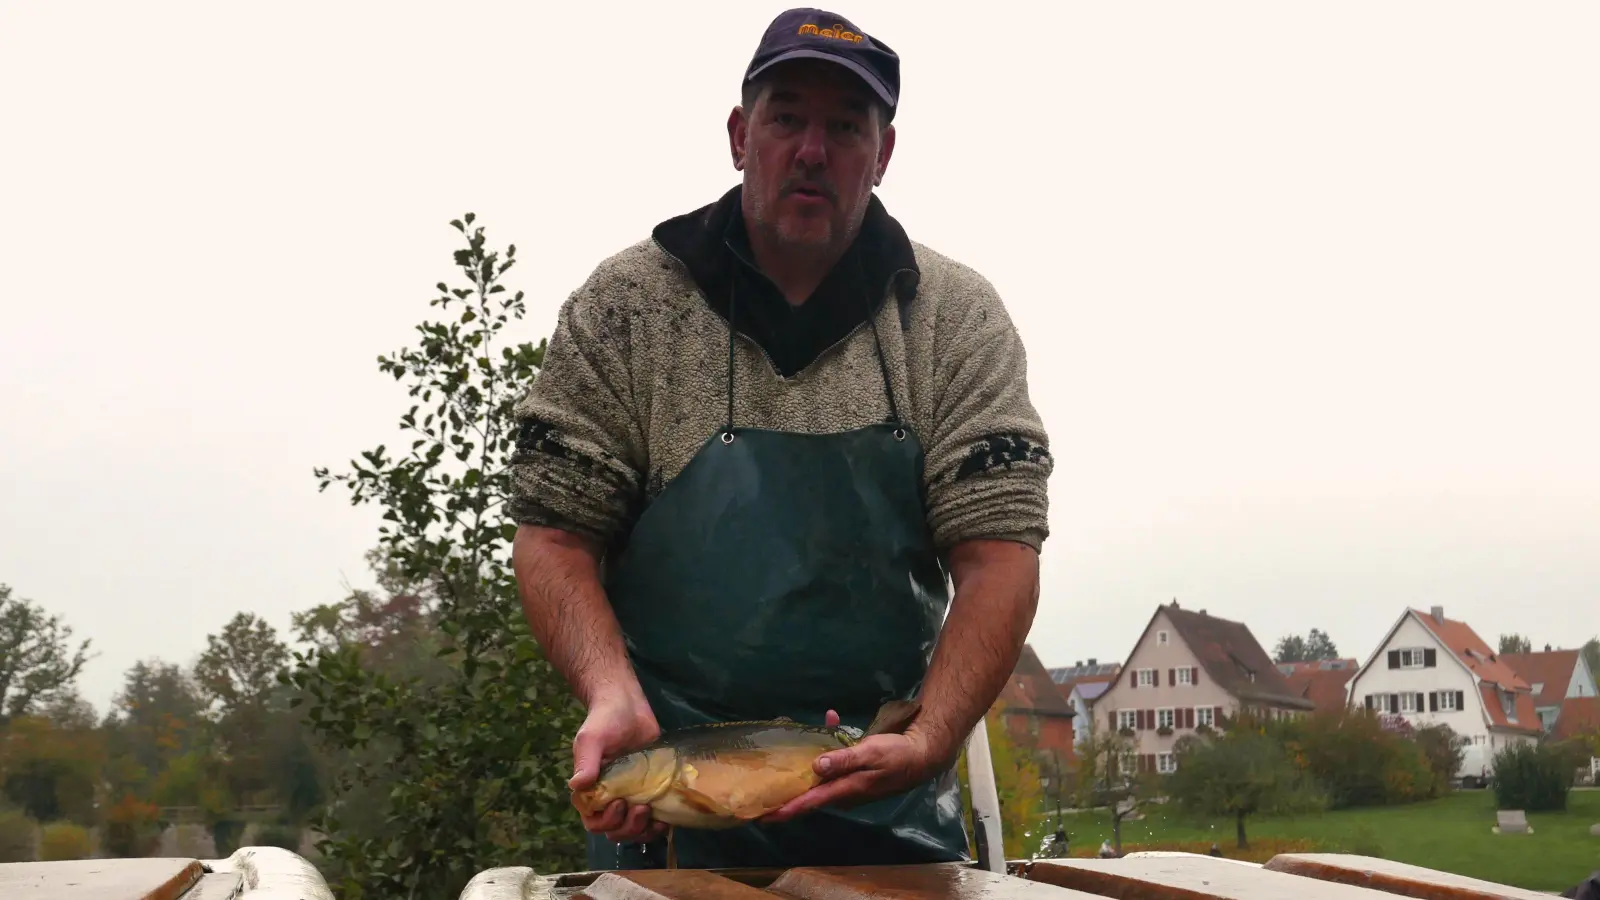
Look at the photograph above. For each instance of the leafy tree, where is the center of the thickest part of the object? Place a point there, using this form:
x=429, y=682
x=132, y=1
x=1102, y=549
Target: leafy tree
x=477, y=757
x=1314, y=646
x=156, y=718
x=50, y=771
x=239, y=668
x=1591, y=655
x=1515, y=643
x=1240, y=773
x=37, y=660
x=1108, y=775
x=1016, y=776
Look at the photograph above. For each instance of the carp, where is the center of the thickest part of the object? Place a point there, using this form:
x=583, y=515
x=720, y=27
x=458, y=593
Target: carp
x=728, y=774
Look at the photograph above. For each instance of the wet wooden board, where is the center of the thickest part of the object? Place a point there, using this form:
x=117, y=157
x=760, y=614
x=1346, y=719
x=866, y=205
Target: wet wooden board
x=924, y=882
x=100, y=879
x=661, y=884
x=1192, y=878
x=1396, y=878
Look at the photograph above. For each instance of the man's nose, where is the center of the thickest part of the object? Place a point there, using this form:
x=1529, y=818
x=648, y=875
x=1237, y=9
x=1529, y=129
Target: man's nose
x=813, y=152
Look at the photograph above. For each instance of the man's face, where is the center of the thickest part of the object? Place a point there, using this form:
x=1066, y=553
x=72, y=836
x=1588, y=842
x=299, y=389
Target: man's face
x=811, y=150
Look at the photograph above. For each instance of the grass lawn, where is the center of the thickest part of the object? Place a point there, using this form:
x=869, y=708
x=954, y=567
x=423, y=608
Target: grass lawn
x=1451, y=834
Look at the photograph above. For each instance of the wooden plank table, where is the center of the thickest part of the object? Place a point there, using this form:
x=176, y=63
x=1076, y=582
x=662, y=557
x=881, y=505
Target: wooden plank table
x=1395, y=877
x=1189, y=878
x=100, y=879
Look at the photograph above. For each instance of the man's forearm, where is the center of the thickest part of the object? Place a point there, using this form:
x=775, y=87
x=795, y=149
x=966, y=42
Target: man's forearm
x=559, y=582
x=996, y=594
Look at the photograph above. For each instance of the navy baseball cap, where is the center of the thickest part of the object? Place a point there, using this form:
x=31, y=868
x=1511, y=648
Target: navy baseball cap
x=819, y=34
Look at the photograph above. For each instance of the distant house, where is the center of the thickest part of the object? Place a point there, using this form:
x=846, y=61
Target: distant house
x=1189, y=669
x=1036, y=712
x=1580, y=717
x=1327, y=689
x=1084, y=684
x=1431, y=669
x=1554, y=676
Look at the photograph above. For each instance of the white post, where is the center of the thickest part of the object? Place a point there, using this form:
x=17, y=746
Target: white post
x=985, y=798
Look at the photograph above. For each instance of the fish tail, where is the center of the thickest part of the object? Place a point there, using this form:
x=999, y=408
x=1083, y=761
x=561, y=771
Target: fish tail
x=894, y=717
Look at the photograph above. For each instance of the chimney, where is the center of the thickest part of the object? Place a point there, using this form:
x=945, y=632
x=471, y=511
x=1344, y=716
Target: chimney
x=1078, y=664
x=1438, y=614
x=1091, y=661
x=1547, y=648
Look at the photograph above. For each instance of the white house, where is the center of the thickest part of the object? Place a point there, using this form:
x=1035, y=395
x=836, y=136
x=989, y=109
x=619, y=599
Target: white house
x=1429, y=669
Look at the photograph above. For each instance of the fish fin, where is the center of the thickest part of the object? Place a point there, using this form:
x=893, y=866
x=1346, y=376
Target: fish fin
x=894, y=717
x=698, y=802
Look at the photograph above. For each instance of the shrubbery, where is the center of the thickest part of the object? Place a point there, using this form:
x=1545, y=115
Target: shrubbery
x=1532, y=777
x=131, y=829
x=285, y=836
x=64, y=840
x=17, y=834
x=1359, y=762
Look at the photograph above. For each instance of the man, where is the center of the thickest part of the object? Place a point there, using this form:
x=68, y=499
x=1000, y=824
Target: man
x=759, y=442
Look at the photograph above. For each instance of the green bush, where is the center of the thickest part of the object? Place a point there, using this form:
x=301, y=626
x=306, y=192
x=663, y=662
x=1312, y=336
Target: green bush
x=1356, y=760
x=285, y=836
x=1532, y=777
x=18, y=831
x=1444, y=751
x=64, y=840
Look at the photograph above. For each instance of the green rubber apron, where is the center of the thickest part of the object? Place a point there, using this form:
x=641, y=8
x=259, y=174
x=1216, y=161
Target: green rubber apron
x=786, y=574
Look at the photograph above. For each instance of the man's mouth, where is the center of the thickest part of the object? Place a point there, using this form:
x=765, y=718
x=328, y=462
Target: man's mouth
x=807, y=192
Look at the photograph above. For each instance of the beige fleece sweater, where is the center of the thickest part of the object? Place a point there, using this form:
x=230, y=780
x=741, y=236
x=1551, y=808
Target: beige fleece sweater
x=635, y=380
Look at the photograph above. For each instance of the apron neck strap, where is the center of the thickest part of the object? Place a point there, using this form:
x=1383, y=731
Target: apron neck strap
x=877, y=342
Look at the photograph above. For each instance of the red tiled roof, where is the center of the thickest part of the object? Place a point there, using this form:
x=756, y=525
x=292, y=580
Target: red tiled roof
x=1553, y=669
x=1030, y=689
x=1527, y=717
x=1472, y=651
x=1324, y=687
x=1070, y=683
x=1234, y=658
x=1579, y=716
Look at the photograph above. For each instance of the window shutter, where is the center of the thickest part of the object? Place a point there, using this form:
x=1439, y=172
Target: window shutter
x=1194, y=674
x=1433, y=702
x=1419, y=701
x=1133, y=679
x=1172, y=677
x=1394, y=659
x=1188, y=717
x=1430, y=658
x=1394, y=704
x=1461, y=700
x=1216, y=716
x=1369, y=701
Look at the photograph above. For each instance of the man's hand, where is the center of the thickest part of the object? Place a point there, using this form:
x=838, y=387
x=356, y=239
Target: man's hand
x=879, y=766
x=617, y=723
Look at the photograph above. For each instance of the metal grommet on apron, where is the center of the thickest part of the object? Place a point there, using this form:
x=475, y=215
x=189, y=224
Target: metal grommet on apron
x=786, y=574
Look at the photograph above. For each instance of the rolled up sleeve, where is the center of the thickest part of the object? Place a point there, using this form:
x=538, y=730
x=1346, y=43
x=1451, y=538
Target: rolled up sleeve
x=989, y=462
x=579, y=449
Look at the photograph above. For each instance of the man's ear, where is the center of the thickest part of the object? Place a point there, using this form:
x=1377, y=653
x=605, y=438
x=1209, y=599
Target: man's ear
x=885, y=150
x=738, y=135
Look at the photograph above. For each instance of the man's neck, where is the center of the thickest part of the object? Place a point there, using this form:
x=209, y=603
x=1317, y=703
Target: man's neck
x=796, y=272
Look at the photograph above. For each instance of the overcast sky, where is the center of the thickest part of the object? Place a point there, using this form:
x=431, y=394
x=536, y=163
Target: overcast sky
x=1309, y=291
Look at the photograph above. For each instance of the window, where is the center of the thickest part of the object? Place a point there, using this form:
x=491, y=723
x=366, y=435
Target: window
x=1147, y=678
x=1186, y=675
x=1203, y=716
x=1411, y=658
x=1126, y=718
x=1508, y=703
x=1408, y=702
x=1538, y=687
x=1163, y=718
x=1447, y=702
x=1165, y=764
x=1161, y=639
x=1128, y=764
